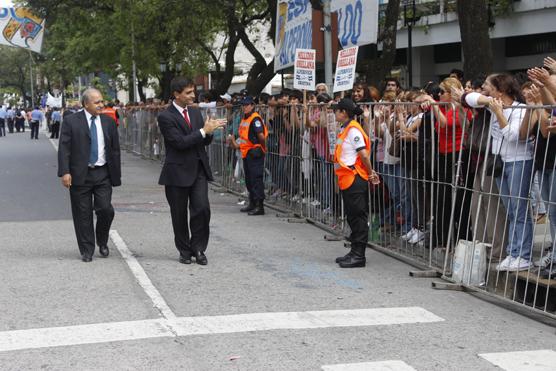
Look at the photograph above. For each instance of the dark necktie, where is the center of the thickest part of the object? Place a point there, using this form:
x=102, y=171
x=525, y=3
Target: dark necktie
x=93, y=155
x=186, y=117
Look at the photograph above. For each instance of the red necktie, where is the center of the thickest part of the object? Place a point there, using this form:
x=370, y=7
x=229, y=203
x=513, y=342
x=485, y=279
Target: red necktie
x=186, y=117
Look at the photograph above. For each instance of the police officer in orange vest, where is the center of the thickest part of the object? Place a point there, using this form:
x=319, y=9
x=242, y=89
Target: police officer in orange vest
x=354, y=170
x=252, y=144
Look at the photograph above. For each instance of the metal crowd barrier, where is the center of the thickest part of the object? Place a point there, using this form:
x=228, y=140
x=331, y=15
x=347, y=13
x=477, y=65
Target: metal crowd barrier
x=437, y=205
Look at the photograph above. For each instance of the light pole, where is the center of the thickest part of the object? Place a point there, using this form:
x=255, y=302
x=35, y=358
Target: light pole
x=327, y=29
x=409, y=22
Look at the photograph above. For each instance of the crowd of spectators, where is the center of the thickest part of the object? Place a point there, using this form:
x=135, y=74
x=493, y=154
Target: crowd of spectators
x=458, y=159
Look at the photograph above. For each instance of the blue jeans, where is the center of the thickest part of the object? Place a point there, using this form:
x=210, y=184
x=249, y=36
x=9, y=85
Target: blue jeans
x=398, y=187
x=514, y=185
x=548, y=194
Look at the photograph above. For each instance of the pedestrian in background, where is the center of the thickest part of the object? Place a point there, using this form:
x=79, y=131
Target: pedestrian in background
x=3, y=115
x=36, y=118
x=56, y=121
x=89, y=164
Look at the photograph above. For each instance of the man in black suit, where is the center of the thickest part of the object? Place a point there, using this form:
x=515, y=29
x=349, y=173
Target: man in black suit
x=89, y=164
x=186, y=170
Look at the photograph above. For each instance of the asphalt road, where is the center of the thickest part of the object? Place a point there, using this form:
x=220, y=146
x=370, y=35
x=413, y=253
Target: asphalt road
x=262, y=303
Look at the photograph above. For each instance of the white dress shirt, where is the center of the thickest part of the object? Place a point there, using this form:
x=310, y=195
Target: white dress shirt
x=101, y=161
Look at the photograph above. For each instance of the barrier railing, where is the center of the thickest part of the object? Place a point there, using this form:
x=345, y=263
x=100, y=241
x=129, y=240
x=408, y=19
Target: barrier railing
x=442, y=202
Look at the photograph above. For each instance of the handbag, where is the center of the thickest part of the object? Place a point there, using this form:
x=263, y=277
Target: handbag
x=494, y=164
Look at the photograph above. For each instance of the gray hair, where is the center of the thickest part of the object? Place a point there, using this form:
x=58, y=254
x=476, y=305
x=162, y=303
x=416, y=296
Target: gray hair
x=86, y=96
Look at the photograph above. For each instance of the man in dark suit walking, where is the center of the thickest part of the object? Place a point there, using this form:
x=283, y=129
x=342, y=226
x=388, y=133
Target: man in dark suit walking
x=89, y=164
x=186, y=170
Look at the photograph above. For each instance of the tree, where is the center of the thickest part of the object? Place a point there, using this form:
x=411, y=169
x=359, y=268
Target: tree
x=14, y=71
x=380, y=65
x=473, y=19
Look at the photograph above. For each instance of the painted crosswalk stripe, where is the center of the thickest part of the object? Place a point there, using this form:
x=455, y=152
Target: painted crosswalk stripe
x=188, y=326
x=141, y=276
x=370, y=366
x=535, y=360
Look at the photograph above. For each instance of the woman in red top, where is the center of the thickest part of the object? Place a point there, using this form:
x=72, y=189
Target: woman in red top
x=452, y=124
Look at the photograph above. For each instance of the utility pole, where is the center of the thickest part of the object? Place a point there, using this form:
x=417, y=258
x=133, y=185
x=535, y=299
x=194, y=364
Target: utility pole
x=31, y=77
x=133, y=65
x=327, y=29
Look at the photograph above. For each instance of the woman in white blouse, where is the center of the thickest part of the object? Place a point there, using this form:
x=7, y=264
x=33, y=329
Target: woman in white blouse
x=502, y=97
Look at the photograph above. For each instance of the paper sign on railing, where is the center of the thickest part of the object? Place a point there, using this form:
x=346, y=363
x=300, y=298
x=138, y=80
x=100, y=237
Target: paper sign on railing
x=304, y=71
x=345, y=69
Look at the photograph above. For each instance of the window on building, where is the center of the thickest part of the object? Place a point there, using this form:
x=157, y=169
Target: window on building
x=447, y=53
x=531, y=44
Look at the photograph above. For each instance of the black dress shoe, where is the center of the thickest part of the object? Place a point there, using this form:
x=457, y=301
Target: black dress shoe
x=343, y=258
x=86, y=259
x=353, y=262
x=185, y=259
x=201, y=258
x=103, y=250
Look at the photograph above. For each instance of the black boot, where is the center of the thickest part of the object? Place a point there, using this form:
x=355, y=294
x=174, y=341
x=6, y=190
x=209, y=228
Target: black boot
x=343, y=258
x=259, y=209
x=250, y=207
x=355, y=258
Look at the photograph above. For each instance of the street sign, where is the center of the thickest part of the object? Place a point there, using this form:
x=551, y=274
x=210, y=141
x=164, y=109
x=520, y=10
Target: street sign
x=345, y=69
x=304, y=69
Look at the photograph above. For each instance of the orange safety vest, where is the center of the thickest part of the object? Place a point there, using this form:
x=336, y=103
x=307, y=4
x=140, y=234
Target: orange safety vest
x=346, y=175
x=111, y=112
x=245, y=145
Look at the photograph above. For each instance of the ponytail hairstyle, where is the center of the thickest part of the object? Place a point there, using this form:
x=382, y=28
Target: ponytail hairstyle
x=508, y=85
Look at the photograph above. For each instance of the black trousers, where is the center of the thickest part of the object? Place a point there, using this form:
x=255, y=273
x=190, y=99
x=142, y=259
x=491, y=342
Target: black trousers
x=356, y=206
x=55, y=130
x=193, y=236
x=34, y=129
x=19, y=125
x=10, y=125
x=95, y=194
x=253, y=167
x=2, y=127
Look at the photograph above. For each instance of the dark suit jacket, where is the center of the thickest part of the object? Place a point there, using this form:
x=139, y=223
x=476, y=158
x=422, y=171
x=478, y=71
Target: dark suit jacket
x=185, y=147
x=75, y=145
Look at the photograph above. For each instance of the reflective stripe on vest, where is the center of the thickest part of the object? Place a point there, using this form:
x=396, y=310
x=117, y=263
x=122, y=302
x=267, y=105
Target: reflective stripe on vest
x=245, y=145
x=346, y=174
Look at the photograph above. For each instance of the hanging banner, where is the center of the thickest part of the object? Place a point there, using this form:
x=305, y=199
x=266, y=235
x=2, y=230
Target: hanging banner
x=294, y=30
x=345, y=69
x=21, y=28
x=357, y=21
x=304, y=69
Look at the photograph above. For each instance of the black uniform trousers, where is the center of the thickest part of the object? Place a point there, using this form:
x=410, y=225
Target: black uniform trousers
x=34, y=129
x=253, y=166
x=55, y=130
x=95, y=194
x=2, y=127
x=194, y=198
x=10, y=125
x=356, y=207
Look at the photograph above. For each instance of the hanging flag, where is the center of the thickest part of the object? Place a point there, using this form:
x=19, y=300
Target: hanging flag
x=21, y=28
x=357, y=21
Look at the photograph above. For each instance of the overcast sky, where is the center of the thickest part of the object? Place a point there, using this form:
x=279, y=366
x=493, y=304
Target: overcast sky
x=5, y=3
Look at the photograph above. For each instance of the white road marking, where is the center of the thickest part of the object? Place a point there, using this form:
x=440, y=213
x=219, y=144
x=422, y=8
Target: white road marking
x=535, y=360
x=188, y=326
x=141, y=276
x=370, y=366
x=53, y=142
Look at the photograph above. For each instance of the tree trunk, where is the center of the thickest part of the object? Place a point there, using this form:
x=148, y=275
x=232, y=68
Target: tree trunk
x=140, y=85
x=473, y=25
x=164, y=83
x=379, y=67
